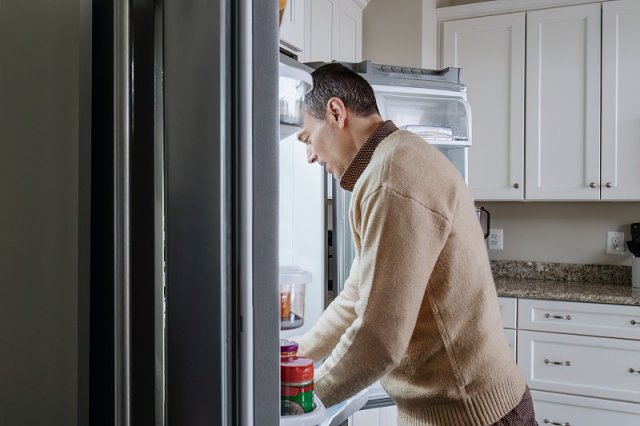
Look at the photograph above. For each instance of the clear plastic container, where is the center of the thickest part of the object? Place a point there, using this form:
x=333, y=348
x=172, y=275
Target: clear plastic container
x=292, y=287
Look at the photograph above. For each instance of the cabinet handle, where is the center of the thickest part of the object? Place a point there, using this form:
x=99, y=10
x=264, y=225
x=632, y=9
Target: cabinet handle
x=608, y=185
x=556, y=423
x=633, y=370
x=516, y=186
x=567, y=363
x=567, y=317
x=634, y=322
x=592, y=185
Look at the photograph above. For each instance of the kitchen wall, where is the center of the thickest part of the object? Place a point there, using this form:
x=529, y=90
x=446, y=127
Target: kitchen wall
x=44, y=178
x=392, y=32
x=560, y=231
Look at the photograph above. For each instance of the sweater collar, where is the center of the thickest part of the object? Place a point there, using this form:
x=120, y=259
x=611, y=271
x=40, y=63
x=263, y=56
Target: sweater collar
x=361, y=160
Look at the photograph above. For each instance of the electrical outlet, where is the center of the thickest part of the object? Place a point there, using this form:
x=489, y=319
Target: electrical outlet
x=615, y=242
x=495, y=239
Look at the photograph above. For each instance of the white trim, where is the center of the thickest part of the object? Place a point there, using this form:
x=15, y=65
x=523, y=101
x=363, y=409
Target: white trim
x=502, y=6
x=361, y=3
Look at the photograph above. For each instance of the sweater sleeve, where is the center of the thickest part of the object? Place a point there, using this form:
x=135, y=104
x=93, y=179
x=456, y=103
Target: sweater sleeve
x=401, y=241
x=320, y=340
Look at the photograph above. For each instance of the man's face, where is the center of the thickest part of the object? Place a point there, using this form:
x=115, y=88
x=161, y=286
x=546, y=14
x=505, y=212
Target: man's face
x=325, y=145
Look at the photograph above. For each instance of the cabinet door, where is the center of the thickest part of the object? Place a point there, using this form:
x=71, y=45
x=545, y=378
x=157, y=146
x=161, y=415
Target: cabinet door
x=558, y=409
x=621, y=100
x=510, y=335
x=490, y=50
x=348, y=43
x=563, y=104
x=321, y=28
x=370, y=417
x=292, y=28
x=389, y=416
x=509, y=311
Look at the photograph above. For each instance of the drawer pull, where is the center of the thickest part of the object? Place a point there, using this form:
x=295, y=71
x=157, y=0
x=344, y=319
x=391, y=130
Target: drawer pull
x=634, y=322
x=567, y=363
x=567, y=317
x=633, y=370
x=556, y=423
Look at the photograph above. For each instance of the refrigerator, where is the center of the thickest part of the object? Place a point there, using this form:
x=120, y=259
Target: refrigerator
x=199, y=194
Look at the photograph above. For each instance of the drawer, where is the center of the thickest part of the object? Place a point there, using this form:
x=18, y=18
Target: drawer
x=509, y=310
x=579, y=318
x=558, y=409
x=579, y=365
x=510, y=335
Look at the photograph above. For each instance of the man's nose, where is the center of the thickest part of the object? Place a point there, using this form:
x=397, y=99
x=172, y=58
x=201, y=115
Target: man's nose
x=311, y=156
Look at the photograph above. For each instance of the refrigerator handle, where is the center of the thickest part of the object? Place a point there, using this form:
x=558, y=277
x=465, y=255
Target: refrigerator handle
x=122, y=135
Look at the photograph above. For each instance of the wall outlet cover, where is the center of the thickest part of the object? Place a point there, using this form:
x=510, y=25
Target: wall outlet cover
x=495, y=239
x=615, y=242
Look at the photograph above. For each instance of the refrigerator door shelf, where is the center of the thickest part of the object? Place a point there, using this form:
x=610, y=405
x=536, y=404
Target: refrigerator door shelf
x=314, y=418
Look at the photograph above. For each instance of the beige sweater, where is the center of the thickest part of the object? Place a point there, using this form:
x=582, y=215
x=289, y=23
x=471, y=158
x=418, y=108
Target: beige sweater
x=419, y=310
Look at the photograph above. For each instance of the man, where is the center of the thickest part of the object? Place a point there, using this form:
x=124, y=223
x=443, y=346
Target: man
x=419, y=310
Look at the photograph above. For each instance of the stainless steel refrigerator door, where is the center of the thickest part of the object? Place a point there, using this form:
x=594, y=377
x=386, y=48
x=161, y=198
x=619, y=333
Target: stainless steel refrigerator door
x=221, y=68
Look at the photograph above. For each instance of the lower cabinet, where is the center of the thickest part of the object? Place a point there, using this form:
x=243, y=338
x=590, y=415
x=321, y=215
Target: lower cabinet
x=386, y=416
x=581, y=361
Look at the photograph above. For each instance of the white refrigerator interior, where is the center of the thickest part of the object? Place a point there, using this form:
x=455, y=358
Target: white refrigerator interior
x=301, y=225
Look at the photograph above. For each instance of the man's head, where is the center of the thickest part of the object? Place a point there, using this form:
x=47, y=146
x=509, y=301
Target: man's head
x=340, y=113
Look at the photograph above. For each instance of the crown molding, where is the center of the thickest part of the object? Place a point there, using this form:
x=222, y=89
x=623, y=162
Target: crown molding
x=361, y=3
x=495, y=7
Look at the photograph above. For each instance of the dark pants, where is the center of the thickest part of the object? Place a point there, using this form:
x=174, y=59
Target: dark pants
x=521, y=415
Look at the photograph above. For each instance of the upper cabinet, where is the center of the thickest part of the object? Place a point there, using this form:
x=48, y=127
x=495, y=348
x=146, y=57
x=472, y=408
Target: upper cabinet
x=333, y=30
x=292, y=27
x=563, y=104
x=572, y=98
x=621, y=100
x=490, y=50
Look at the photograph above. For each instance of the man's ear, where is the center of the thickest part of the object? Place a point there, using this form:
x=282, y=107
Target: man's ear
x=336, y=111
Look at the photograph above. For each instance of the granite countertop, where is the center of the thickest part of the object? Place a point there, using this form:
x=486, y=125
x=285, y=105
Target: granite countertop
x=565, y=282
x=569, y=291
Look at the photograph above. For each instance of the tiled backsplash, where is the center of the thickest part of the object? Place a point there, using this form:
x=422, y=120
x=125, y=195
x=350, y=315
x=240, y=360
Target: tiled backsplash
x=561, y=272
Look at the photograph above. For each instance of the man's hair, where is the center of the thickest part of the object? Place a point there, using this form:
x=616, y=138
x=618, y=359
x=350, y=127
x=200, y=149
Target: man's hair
x=336, y=80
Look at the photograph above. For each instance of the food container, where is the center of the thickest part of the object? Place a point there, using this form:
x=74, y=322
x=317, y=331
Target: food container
x=296, y=386
x=292, y=288
x=288, y=348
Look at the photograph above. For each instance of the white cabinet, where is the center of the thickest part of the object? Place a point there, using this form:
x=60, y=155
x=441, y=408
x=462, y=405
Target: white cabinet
x=386, y=416
x=490, y=50
x=509, y=311
x=333, y=30
x=565, y=353
x=557, y=409
x=620, y=100
x=563, y=103
x=582, y=122
x=292, y=27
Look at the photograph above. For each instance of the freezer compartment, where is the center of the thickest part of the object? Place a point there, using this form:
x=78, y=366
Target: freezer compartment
x=440, y=118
